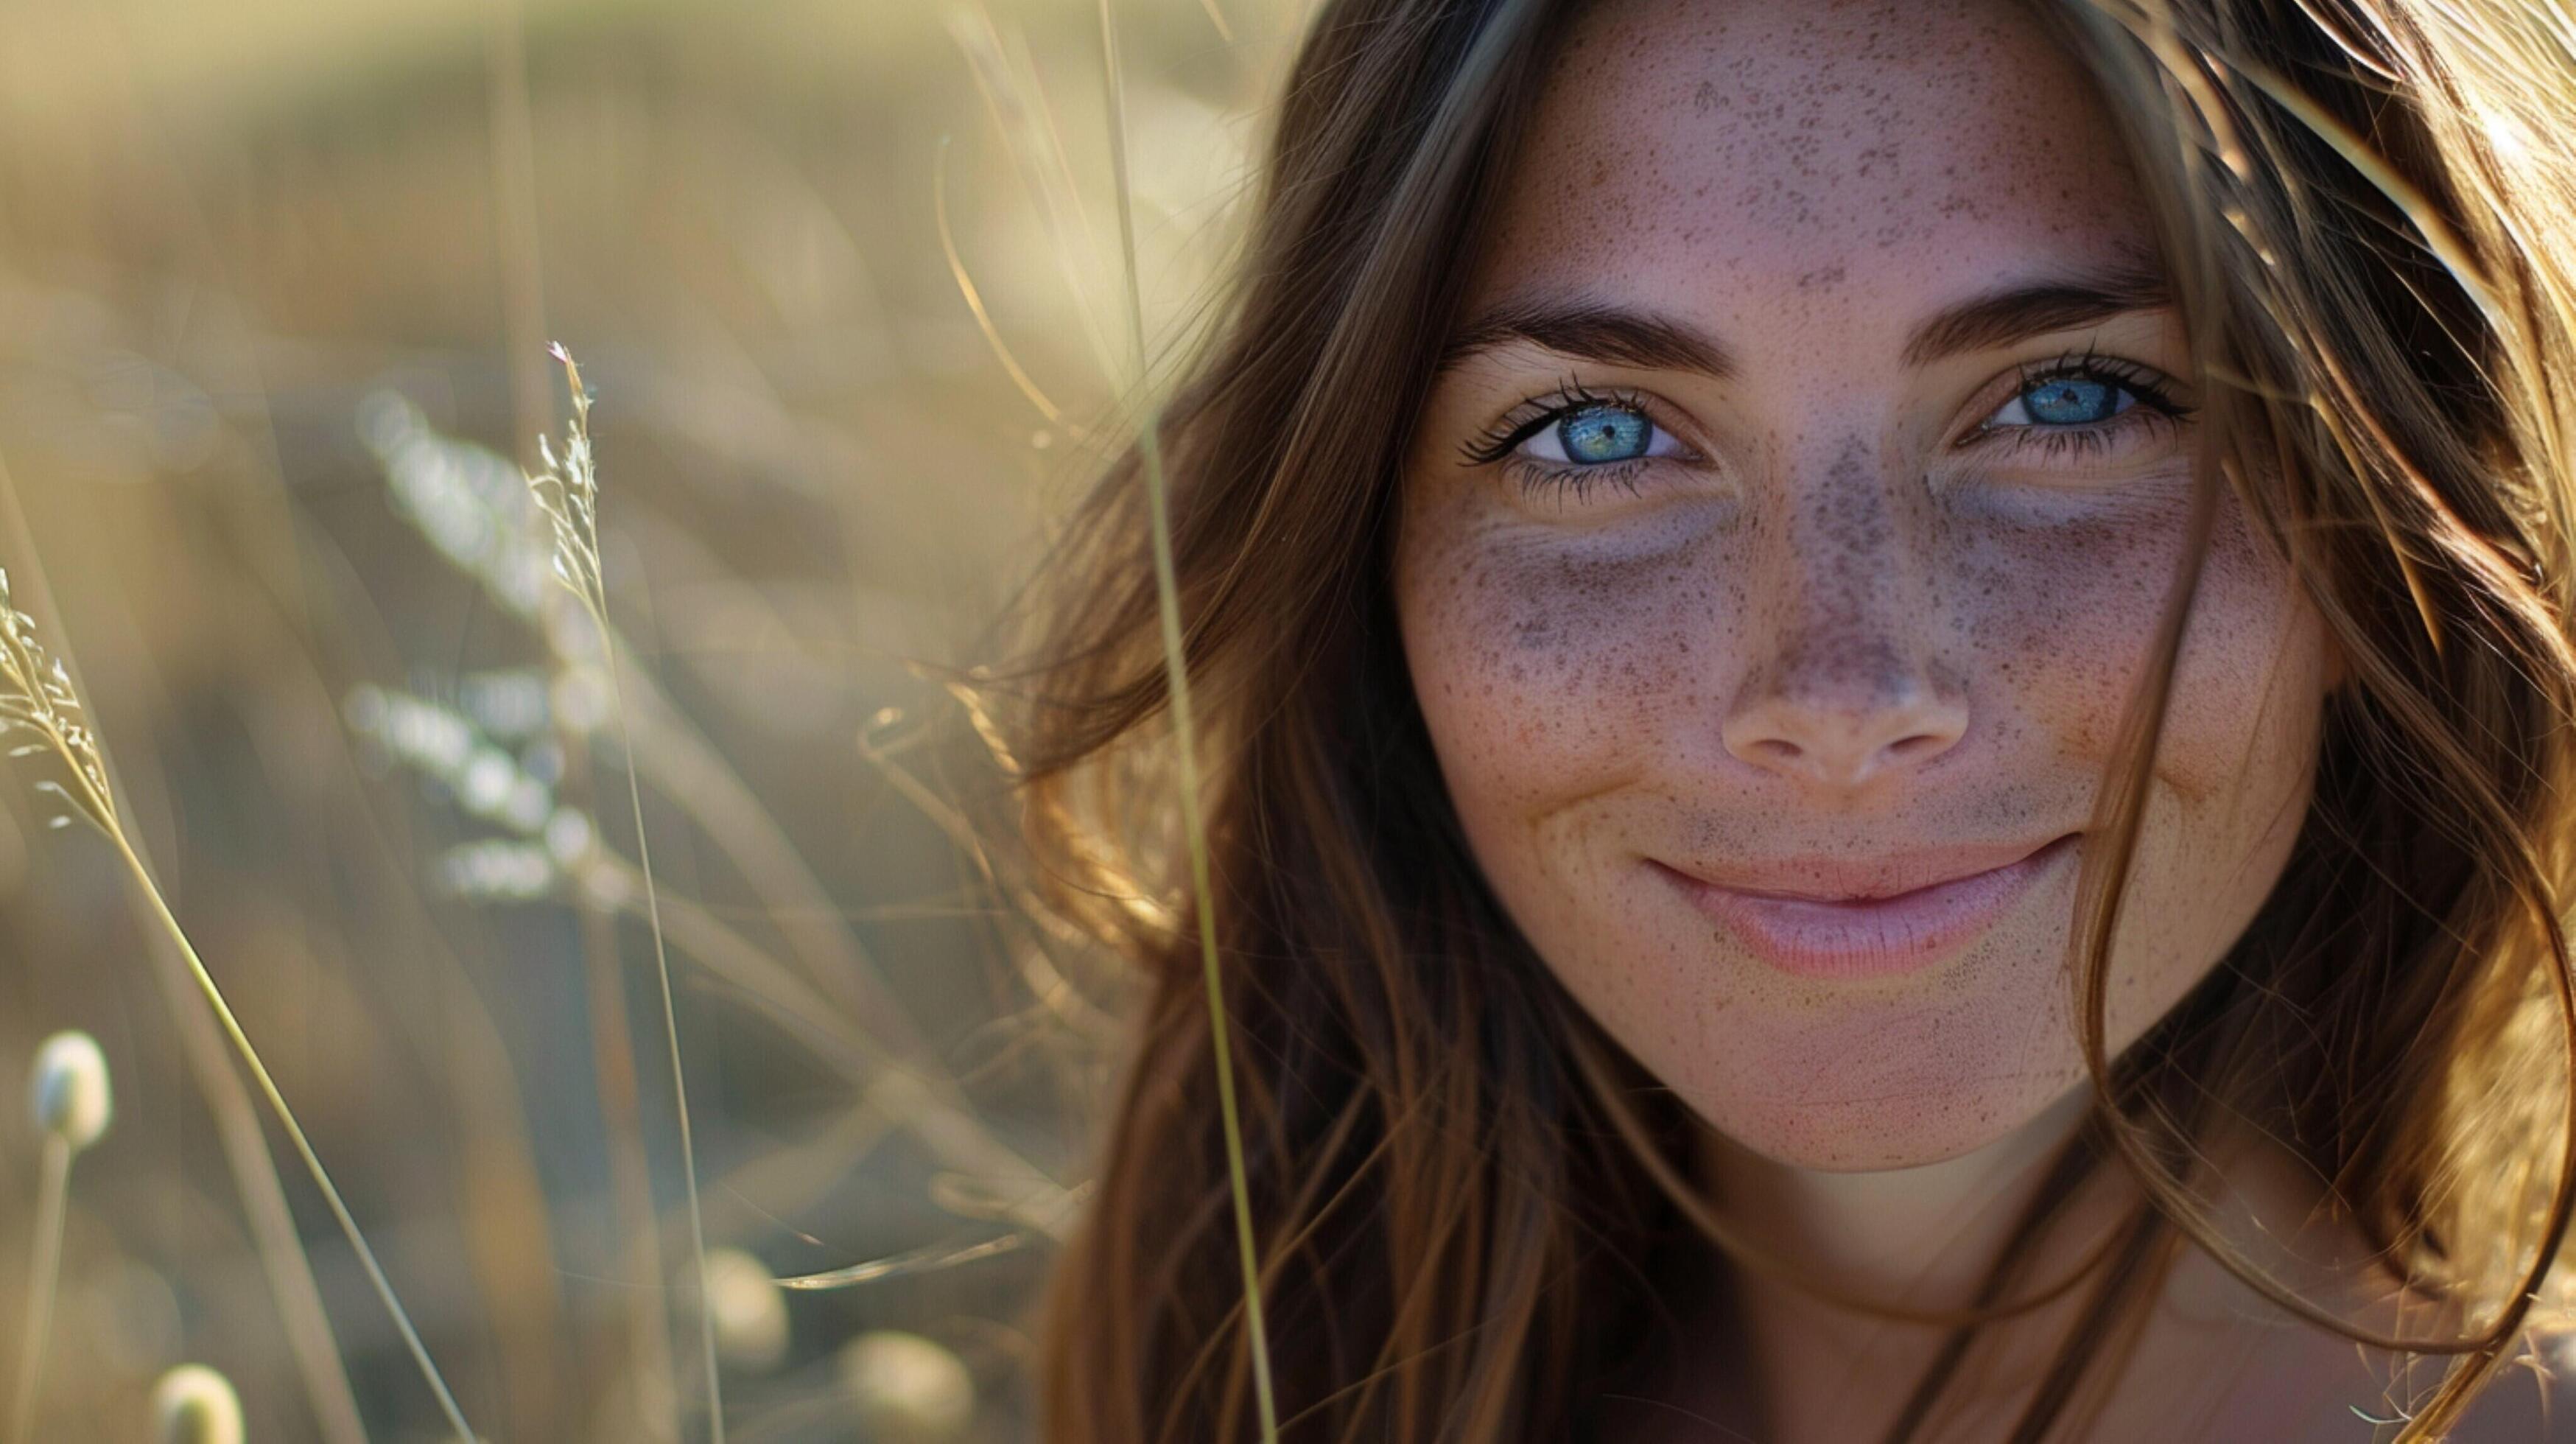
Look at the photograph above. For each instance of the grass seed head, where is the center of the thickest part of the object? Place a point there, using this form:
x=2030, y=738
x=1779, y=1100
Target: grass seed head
x=193, y=1404
x=69, y=1090
x=40, y=716
x=905, y=1387
x=750, y=1310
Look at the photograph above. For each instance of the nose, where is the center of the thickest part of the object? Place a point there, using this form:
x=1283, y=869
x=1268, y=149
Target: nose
x=1842, y=714
x=1845, y=689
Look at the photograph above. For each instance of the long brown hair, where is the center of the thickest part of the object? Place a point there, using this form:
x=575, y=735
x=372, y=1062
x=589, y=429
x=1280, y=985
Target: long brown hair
x=1460, y=1189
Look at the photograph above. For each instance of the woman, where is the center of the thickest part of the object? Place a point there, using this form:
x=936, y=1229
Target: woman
x=1882, y=689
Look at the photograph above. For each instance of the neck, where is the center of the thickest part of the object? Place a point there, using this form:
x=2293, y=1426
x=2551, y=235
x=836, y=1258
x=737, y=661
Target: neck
x=1922, y=1239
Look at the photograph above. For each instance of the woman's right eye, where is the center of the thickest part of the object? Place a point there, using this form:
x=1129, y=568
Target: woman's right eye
x=1600, y=434
x=1563, y=444
x=1572, y=432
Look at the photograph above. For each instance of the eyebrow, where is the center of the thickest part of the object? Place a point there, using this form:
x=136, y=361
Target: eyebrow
x=1621, y=336
x=1591, y=331
x=2016, y=313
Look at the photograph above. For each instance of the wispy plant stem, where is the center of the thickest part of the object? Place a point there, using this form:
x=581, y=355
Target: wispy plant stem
x=514, y=203
x=1185, y=740
x=1167, y=594
x=975, y=298
x=630, y=1173
x=246, y=1155
x=514, y=190
x=294, y=1130
x=568, y=493
x=679, y=1083
x=53, y=1195
x=37, y=703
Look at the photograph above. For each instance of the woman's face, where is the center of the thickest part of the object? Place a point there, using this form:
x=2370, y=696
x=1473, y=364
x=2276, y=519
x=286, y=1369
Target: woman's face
x=1784, y=536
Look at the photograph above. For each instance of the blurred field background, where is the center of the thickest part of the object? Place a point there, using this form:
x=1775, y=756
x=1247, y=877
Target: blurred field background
x=275, y=282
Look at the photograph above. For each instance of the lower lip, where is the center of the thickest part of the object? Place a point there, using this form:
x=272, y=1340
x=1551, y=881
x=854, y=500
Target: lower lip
x=1870, y=937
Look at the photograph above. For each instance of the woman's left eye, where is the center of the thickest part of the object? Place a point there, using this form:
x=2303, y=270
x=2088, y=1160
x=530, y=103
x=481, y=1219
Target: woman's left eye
x=2064, y=401
x=2081, y=406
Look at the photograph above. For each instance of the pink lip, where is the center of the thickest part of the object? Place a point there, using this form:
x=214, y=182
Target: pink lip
x=1840, y=920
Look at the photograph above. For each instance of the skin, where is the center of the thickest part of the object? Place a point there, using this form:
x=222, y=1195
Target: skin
x=1835, y=624
x=1946, y=634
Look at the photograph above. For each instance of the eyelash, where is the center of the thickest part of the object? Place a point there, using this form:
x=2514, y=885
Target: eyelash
x=2156, y=405
x=1499, y=441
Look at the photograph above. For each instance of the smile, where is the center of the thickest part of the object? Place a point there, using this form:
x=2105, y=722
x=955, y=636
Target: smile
x=1869, y=922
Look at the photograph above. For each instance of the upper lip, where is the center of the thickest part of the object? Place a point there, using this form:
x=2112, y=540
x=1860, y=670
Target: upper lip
x=1817, y=878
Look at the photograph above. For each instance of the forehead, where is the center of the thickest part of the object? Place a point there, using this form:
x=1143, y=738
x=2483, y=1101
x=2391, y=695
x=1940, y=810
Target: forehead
x=1745, y=147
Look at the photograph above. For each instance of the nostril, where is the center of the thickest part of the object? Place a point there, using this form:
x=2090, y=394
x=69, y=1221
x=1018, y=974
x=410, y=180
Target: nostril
x=1841, y=747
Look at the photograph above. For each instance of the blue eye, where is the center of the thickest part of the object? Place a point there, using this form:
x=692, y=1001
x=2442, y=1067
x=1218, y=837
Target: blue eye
x=2072, y=401
x=2065, y=401
x=2084, y=408
x=1565, y=442
x=1598, y=434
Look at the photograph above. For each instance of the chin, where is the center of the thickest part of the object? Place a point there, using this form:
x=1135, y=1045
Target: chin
x=1935, y=1115
x=1895, y=1073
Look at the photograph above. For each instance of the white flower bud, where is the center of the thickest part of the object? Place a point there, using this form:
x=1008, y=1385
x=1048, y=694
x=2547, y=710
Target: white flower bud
x=195, y=1405
x=749, y=1309
x=905, y=1387
x=70, y=1089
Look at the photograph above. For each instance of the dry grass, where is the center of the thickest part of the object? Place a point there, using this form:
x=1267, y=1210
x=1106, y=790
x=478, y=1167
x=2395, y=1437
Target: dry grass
x=850, y=277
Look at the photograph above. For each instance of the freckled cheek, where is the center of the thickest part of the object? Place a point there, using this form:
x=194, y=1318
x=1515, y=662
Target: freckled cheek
x=2250, y=683
x=2061, y=618
x=2065, y=619
x=1543, y=675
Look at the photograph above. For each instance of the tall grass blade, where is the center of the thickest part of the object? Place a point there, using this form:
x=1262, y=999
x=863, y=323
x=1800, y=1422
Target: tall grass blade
x=39, y=713
x=256, y=1181
x=53, y=1190
x=72, y=1103
x=1185, y=739
x=568, y=492
x=974, y=297
x=1016, y=101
